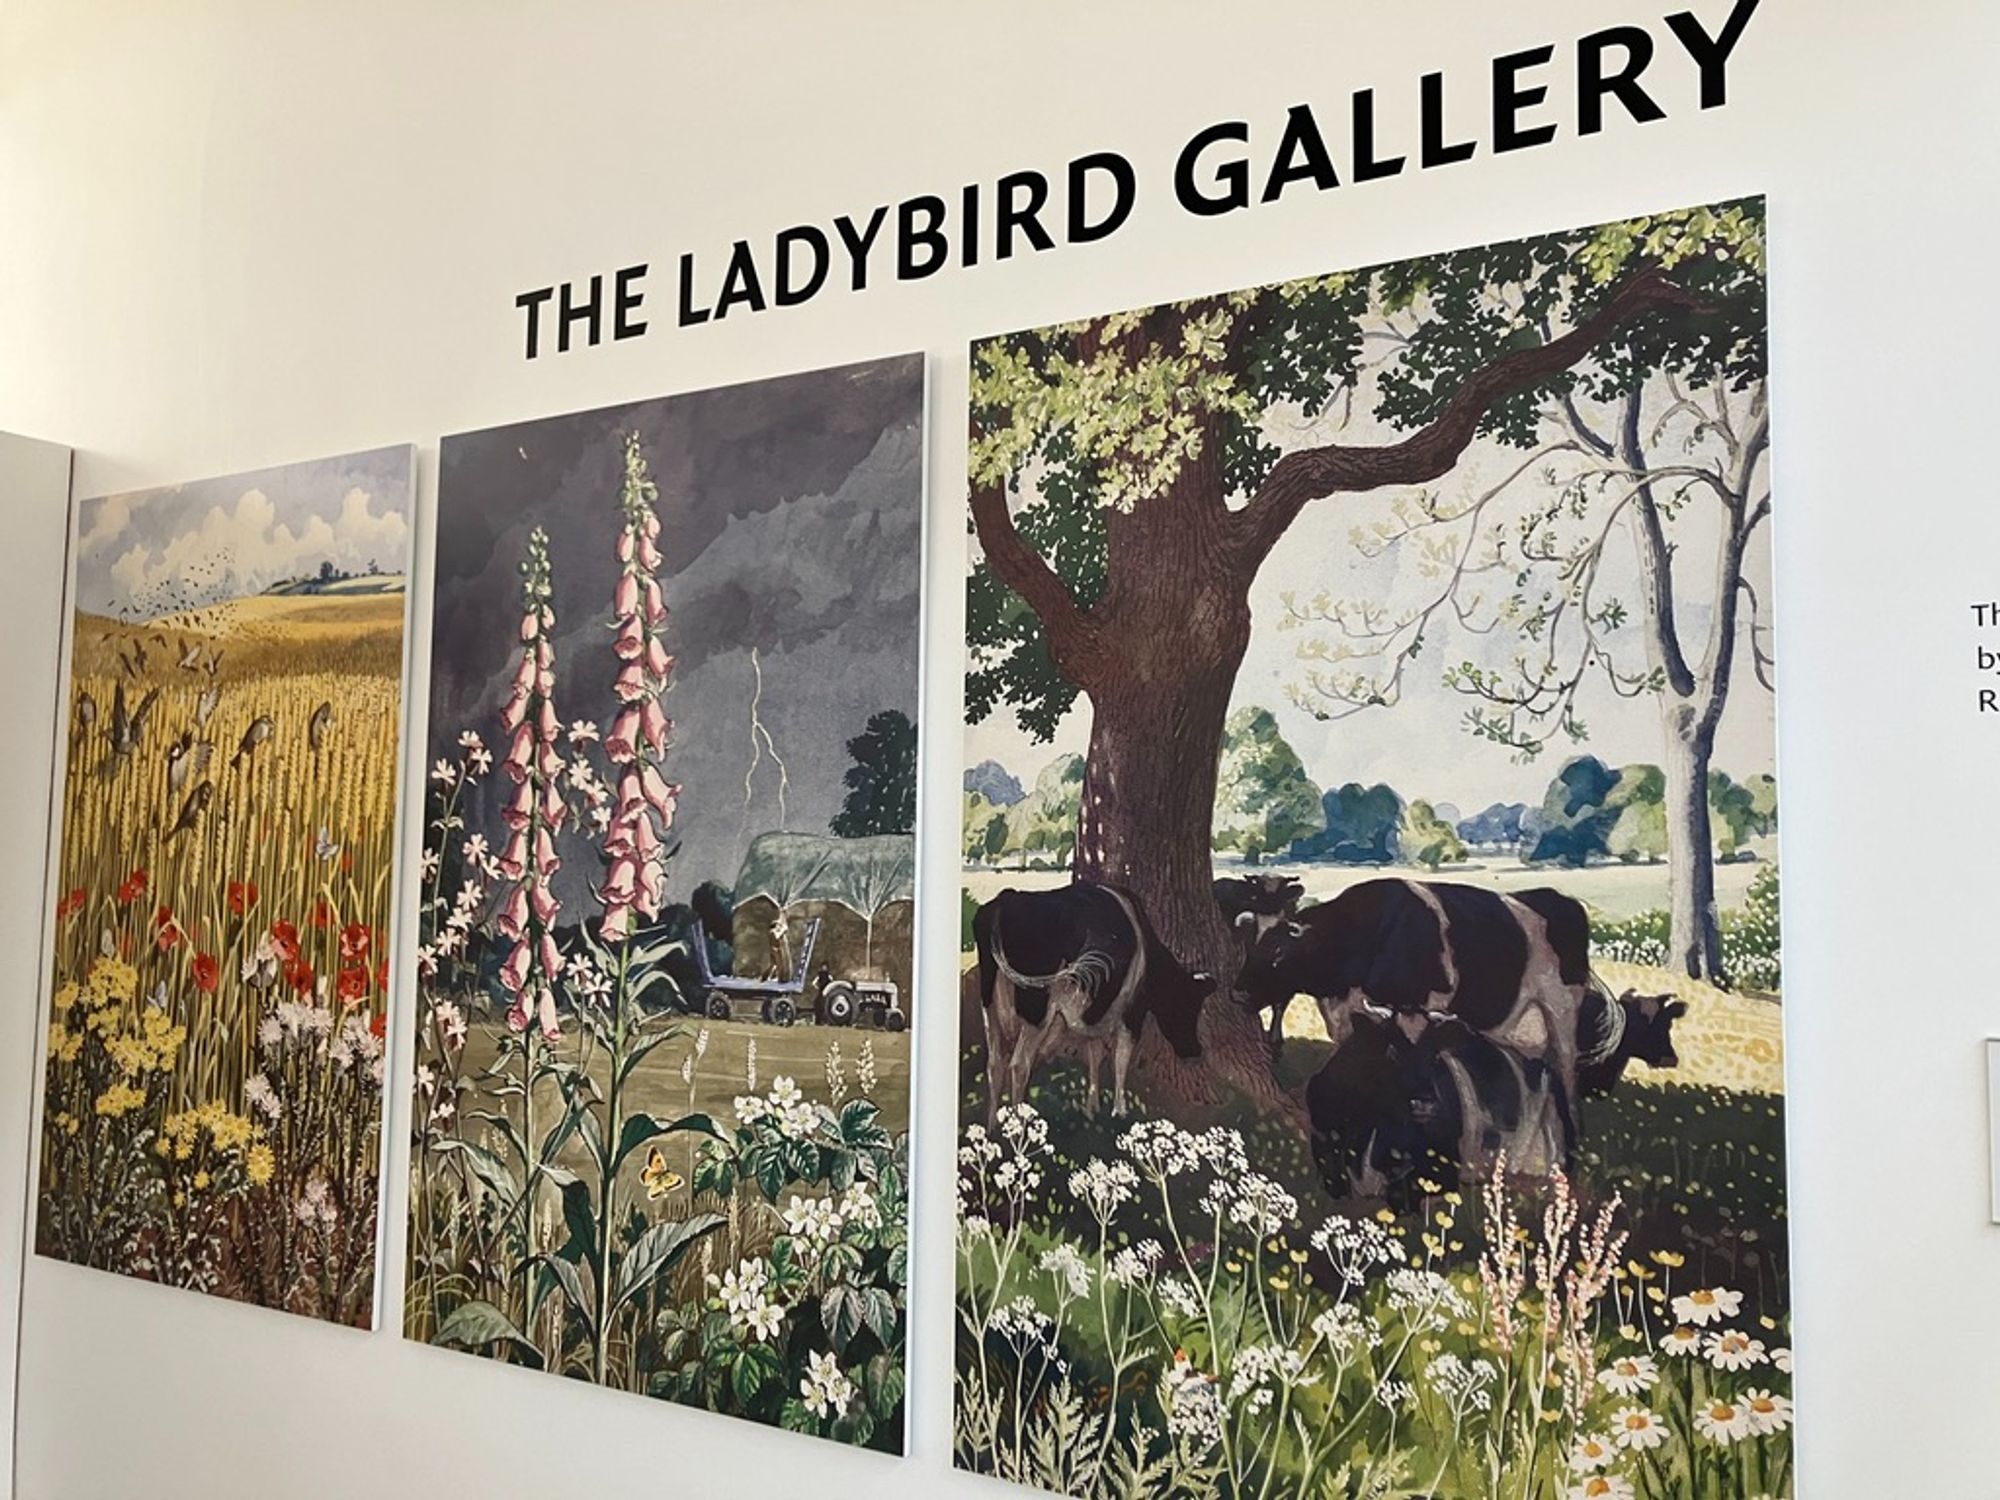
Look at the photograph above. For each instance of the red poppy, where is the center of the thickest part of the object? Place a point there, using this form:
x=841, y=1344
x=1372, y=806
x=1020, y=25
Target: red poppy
x=354, y=939
x=379, y=1027
x=346, y=863
x=242, y=895
x=299, y=975
x=166, y=931
x=71, y=903
x=206, y=972
x=353, y=983
x=133, y=888
x=285, y=940
x=382, y=975
x=322, y=914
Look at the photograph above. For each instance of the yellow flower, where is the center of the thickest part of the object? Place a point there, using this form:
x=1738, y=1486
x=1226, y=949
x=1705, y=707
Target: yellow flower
x=118, y=1100
x=1668, y=1258
x=65, y=997
x=201, y=1180
x=1385, y=1216
x=64, y=1044
x=260, y=1164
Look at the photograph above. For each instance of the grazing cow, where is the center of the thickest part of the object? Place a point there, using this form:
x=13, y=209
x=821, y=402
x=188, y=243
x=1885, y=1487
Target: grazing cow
x=1612, y=1033
x=1253, y=905
x=1083, y=956
x=1514, y=968
x=1390, y=1106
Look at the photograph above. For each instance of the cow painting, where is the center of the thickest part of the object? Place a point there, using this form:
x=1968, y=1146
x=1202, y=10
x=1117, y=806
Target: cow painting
x=1253, y=905
x=1515, y=968
x=1612, y=1033
x=1082, y=959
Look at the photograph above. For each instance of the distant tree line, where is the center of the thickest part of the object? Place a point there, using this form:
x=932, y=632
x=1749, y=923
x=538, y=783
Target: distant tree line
x=1268, y=807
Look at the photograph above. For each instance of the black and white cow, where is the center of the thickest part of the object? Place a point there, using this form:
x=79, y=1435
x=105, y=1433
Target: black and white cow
x=1407, y=1097
x=1253, y=905
x=1515, y=968
x=1612, y=1033
x=1082, y=957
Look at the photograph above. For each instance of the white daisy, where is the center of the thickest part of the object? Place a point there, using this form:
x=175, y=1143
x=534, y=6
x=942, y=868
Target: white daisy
x=1592, y=1452
x=1707, y=1305
x=1731, y=1349
x=1629, y=1375
x=1721, y=1420
x=1602, y=1487
x=1637, y=1427
x=1768, y=1413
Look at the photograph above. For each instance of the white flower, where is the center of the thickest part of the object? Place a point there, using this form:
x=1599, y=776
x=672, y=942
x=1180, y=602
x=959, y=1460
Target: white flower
x=858, y=1206
x=1194, y=1405
x=1681, y=1342
x=451, y=1021
x=763, y=1321
x=445, y=773
x=1179, y=1295
x=1160, y=1148
x=1395, y=1393
x=476, y=850
x=1466, y=1387
x=1629, y=1374
x=1707, y=1305
x=1357, y=1246
x=260, y=1096
x=749, y=1109
x=1071, y=1275
x=1782, y=1358
x=1602, y=1487
x=743, y=1288
x=427, y=865
x=582, y=732
x=1103, y=1187
x=1591, y=1452
x=1768, y=1413
x=478, y=761
x=825, y=1389
x=1022, y=1324
x=1732, y=1350
x=1346, y=1330
x=1254, y=1201
x=1024, y=1128
x=1259, y=1370
x=814, y=1220
x=469, y=739
x=1721, y=1420
x=1425, y=1297
x=1134, y=1263
x=1636, y=1427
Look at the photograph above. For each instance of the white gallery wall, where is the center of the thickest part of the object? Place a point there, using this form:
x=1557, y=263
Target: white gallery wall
x=236, y=234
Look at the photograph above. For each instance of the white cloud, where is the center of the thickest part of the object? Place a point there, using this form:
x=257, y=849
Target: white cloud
x=108, y=519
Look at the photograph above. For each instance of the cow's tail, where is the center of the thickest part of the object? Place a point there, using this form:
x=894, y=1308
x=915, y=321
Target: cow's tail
x=1089, y=970
x=986, y=941
x=1608, y=1035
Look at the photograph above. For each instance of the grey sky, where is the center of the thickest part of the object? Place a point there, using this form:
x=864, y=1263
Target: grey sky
x=791, y=522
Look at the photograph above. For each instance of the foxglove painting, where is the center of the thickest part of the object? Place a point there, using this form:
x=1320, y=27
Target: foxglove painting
x=1372, y=1070
x=664, y=978
x=212, y=1104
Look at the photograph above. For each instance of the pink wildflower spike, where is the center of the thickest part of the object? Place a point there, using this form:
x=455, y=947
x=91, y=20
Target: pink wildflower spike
x=520, y=753
x=517, y=1017
x=546, y=863
x=653, y=725
x=521, y=808
x=617, y=924
x=631, y=686
x=524, y=675
x=551, y=1023
x=542, y=903
x=514, y=972
x=530, y=626
x=658, y=663
x=621, y=741
x=656, y=607
x=625, y=596
x=513, y=918
x=630, y=640
x=553, y=807
x=514, y=859
x=552, y=959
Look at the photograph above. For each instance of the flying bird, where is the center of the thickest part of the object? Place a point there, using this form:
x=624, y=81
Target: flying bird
x=86, y=712
x=192, y=809
x=190, y=657
x=128, y=729
x=259, y=731
x=317, y=726
x=187, y=757
x=204, y=706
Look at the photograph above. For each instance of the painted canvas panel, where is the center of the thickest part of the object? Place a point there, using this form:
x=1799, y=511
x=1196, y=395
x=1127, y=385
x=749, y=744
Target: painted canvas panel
x=1371, y=999
x=663, y=1062
x=226, y=824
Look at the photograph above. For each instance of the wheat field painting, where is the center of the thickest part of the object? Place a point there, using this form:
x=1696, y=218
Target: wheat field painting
x=211, y=1115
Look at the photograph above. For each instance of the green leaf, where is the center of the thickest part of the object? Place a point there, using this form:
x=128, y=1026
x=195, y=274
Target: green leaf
x=562, y=1273
x=879, y=1314
x=882, y=1383
x=753, y=1368
x=487, y=1166
x=840, y=1313
x=579, y=1214
x=657, y=1252
x=479, y=1325
x=641, y=1128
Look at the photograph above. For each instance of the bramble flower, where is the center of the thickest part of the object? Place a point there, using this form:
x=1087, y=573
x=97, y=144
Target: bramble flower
x=1722, y=1420
x=814, y=1220
x=1707, y=1305
x=824, y=1389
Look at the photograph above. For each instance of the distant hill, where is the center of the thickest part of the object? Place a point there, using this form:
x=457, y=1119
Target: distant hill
x=339, y=583
x=995, y=783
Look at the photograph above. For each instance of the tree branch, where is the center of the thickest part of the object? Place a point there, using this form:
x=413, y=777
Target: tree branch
x=1072, y=634
x=1297, y=479
x=1656, y=557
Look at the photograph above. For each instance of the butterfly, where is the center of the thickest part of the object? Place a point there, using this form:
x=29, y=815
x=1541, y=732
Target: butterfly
x=324, y=846
x=659, y=1179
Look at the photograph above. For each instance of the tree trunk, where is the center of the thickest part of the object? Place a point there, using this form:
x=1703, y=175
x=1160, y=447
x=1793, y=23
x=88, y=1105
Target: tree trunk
x=1694, y=937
